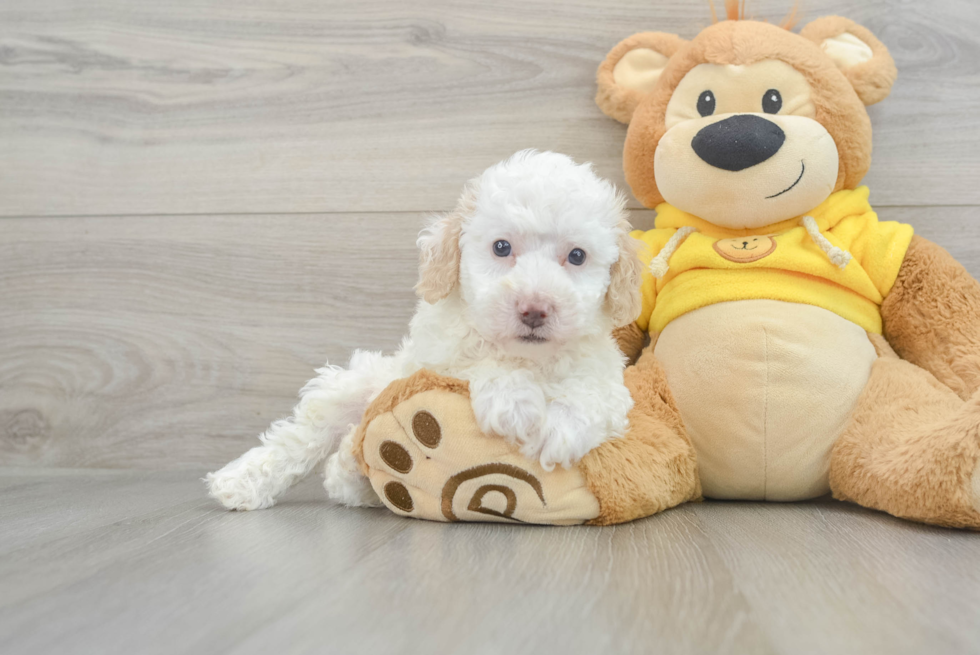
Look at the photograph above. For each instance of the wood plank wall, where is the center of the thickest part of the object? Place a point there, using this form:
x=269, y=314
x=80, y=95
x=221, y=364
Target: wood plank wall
x=201, y=202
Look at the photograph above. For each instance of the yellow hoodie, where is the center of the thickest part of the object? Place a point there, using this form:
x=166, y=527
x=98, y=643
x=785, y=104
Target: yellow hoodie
x=783, y=261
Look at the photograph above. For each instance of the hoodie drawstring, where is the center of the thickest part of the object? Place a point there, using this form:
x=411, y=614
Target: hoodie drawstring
x=840, y=258
x=660, y=263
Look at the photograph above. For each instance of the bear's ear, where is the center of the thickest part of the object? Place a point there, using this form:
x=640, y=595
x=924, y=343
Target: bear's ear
x=862, y=58
x=631, y=70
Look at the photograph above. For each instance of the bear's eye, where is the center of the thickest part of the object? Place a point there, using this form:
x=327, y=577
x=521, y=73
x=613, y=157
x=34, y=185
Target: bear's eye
x=706, y=103
x=576, y=257
x=501, y=248
x=772, y=102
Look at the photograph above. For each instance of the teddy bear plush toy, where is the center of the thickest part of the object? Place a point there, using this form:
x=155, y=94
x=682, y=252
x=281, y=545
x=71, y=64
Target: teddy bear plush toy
x=790, y=344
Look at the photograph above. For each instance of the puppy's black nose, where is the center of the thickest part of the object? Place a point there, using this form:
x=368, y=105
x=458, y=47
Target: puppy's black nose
x=533, y=317
x=738, y=142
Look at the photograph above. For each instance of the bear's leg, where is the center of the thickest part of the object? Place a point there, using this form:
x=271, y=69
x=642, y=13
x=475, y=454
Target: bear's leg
x=425, y=457
x=912, y=447
x=652, y=468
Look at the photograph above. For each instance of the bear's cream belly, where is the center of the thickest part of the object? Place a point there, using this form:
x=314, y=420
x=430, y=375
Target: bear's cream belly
x=765, y=388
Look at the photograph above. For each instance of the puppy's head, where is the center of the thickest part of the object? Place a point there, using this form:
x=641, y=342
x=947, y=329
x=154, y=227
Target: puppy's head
x=538, y=249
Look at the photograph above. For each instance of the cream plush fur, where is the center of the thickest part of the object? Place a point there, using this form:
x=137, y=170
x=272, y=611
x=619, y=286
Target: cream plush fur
x=800, y=371
x=555, y=389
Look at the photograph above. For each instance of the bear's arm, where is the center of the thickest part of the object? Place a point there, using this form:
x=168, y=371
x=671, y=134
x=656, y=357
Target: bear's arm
x=931, y=316
x=630, y=339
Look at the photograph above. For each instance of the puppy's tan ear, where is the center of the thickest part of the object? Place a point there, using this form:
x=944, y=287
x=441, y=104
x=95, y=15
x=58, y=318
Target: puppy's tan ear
x=439, y=249
x=631, y=70
x=863, y=59
x=623, y=301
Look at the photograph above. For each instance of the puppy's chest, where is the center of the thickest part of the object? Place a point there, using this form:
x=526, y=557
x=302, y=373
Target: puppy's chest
x=552, y=386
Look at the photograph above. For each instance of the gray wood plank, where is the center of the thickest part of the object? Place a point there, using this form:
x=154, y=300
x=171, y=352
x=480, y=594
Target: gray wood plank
x=141, y=342
x=311, y=577
x=828, y=570
x=501, y=589
x=151, y=581
x=171, y=342
x=44, y=504
x=112, y=108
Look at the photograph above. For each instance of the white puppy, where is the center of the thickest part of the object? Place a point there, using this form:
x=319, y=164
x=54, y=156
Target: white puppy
x=521, y=288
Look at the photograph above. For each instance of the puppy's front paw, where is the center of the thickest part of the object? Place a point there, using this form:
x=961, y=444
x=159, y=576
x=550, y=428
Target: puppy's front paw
x=568, y=435
x=512, y=406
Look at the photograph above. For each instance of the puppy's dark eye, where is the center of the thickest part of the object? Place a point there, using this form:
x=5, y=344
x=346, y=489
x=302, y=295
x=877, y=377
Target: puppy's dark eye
x=501, y=248
x=772, y=102
x=706, y=103
x=576, y=257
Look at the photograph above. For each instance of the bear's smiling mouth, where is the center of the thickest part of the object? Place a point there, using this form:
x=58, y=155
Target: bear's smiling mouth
x=745, y=247
x=802, y=170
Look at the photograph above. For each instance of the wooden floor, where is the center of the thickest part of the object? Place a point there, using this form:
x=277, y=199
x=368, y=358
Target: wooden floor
x=140, y=562
x=201, y=202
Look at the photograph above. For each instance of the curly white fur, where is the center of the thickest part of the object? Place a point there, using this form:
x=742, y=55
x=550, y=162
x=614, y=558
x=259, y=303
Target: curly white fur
x=555, y=389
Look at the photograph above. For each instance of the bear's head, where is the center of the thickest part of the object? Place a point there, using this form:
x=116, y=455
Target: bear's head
x=747, y=124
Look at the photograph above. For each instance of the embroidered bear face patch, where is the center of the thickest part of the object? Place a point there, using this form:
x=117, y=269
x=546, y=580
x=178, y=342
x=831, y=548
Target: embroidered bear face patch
x=743, y=250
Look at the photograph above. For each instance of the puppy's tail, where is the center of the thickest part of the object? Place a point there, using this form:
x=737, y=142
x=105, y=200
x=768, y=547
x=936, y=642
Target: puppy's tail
x=329, y=405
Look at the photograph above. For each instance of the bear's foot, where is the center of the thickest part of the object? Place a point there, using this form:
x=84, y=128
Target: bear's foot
x=425, y=457
x=976, y=489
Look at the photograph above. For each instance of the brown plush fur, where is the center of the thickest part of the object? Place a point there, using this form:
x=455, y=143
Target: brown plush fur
x=838, y=107
x=932, y=317
x=873, y=79
x=910, y=448
x=630, y=339
x=619, y=102
x=654, y=466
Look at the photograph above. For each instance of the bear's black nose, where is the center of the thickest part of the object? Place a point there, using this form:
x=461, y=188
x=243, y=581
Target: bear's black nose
x=738, y=142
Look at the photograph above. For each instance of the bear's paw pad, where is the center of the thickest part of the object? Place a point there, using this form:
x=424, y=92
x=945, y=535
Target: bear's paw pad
x=426, y=458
